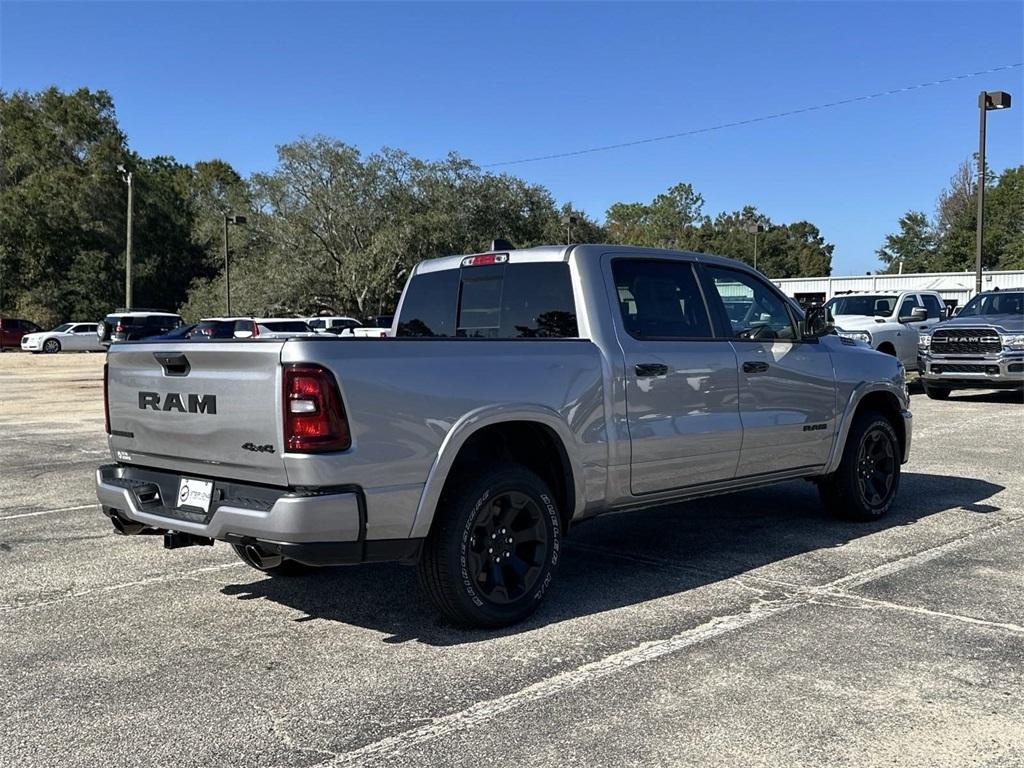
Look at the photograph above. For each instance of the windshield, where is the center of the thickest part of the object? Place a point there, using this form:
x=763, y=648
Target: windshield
x=1008, y=303
x=868, y=306
x=61, y=328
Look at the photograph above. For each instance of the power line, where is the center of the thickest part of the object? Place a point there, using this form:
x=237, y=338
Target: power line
x=748, y=121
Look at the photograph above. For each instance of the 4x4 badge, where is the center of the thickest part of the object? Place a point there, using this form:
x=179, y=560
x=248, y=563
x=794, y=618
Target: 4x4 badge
x=268, y=448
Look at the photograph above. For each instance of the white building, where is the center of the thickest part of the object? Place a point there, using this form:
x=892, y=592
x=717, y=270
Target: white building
x=955, y=287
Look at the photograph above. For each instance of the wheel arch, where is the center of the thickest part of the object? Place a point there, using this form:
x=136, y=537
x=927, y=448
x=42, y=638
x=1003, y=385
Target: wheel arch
x=506, y=432
x=886, y=399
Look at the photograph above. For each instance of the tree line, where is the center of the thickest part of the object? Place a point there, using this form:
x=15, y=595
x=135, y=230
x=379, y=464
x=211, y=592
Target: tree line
x=329, y=229
x=945, y=241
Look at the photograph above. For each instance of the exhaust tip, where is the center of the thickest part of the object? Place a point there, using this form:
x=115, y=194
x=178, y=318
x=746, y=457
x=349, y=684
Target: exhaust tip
x=260, y=559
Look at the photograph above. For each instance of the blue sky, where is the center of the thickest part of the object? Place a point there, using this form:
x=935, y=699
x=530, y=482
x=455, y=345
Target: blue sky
x=500, y=81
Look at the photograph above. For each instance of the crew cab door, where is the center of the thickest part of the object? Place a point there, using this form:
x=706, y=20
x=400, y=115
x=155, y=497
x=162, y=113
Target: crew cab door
x=681, y=381
x=787, y=391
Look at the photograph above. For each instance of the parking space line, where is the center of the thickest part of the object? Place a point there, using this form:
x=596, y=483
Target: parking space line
x=49, y=511
x=124, y=585
x=562, y=682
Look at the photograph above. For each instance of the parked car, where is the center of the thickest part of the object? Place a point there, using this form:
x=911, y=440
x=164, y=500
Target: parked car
x=12, y=330
x=526, y=391
x=888, y=322
x=69, y=337
x=272, y=328
x=377, y=326
x=333, y=324
x=132, y=325
x=982, y=347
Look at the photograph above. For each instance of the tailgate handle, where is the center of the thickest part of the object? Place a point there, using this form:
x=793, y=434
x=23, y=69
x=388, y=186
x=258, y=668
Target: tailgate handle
x=173, y=364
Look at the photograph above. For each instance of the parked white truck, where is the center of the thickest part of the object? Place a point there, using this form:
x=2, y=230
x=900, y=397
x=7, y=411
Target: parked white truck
x=888, y=322
x=525, y=391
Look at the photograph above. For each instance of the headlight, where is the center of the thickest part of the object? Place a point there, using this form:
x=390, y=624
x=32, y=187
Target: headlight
x=1016, y=341
x=856, y=335
x=924, y=342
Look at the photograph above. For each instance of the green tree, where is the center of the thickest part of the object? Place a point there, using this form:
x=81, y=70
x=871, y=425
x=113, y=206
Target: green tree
x=912, y=249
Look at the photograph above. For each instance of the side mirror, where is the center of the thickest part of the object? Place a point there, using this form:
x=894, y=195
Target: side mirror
x=917, y=315
x=818, y=322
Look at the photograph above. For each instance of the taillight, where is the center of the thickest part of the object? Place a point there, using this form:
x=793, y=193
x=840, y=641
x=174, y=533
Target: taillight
x=314, y=418
x=119, y=328
x=106, y=401
x=255, y=330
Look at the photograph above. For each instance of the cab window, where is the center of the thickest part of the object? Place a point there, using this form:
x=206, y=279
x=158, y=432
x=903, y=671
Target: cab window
x=754, y=311
x=660, y=299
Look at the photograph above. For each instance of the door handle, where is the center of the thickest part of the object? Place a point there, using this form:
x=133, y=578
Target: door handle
x=647, y=370
x=750, y=367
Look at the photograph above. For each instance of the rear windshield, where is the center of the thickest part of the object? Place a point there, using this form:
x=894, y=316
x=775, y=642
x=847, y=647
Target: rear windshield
x=868, y=306
x=499, y=301
x=1009, y=303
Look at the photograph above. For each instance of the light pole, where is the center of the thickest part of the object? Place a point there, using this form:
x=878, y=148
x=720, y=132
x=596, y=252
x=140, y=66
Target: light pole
x=569, y=219
x=986, y=100
x=126, y=177
x=237, y=220
x=755, y=229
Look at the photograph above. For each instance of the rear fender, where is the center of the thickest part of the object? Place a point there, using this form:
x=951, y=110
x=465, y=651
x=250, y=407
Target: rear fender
x=465, y=428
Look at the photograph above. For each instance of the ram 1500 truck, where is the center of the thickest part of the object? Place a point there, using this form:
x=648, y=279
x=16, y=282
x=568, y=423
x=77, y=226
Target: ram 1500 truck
x=980, y=348
x=523, y=391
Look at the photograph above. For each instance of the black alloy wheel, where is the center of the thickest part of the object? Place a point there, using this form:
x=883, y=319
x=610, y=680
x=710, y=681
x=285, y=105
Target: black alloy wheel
x=865, y=484
x=493, y=548
x=876, y=465
x=508, y=547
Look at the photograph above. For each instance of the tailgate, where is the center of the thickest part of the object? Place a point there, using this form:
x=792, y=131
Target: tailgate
x=203, y=408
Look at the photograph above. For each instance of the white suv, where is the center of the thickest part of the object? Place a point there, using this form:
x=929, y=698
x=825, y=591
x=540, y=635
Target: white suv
x=888, y=322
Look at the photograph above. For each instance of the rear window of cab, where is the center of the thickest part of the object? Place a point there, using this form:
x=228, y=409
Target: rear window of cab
x=495, y=301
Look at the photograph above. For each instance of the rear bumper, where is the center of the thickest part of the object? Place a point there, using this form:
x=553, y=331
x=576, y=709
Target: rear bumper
x=322, y=527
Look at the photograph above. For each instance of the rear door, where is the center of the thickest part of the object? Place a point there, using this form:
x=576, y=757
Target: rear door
x=787, y=393
x=681, y=381
x=208, y=409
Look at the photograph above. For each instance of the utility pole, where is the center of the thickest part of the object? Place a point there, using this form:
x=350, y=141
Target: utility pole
x=237, y=220
x=126, y=177
x=986, y=100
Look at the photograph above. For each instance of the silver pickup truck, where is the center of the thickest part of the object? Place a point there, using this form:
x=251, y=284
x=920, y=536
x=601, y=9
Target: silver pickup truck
x=522, y=392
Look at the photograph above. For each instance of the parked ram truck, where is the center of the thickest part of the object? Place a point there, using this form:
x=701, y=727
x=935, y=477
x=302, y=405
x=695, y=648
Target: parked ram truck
x=522, y=393
x=981, y=348
x=888, y=322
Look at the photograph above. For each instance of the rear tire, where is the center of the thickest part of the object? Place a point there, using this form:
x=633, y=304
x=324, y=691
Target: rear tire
x=494, y=548
x=868, y=478
x=51, y=346
x=936, y=393
x=281, y=567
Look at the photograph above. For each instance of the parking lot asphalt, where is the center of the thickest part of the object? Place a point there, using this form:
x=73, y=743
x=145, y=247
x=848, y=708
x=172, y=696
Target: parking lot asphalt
x=743, y=630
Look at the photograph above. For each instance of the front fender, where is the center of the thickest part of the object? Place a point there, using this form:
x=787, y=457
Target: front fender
x=471, y=423
x=854, y=400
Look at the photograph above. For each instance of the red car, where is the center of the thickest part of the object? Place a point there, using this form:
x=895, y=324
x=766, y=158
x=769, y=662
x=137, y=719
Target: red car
x=11, y=331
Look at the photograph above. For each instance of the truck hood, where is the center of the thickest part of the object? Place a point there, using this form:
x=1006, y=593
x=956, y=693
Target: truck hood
x=1002, y=323
x=857, y=322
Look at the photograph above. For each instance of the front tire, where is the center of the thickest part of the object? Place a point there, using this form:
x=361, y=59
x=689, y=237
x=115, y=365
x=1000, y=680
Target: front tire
x=494, y=548
x=865, y=484
x=51, y=346
x=936, y=393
